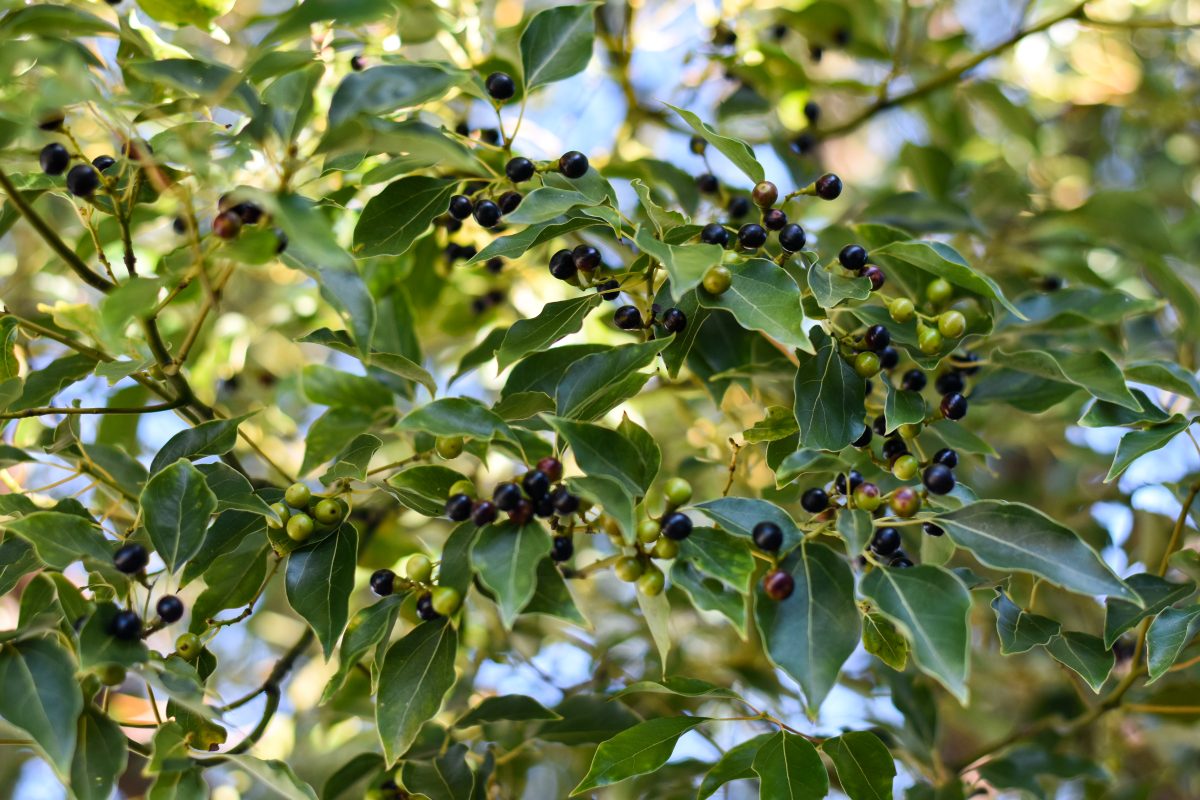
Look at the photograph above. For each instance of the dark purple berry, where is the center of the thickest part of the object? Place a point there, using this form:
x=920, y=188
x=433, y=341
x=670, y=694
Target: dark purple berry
x=814, y=500
x=853, y=257
x=792, y=238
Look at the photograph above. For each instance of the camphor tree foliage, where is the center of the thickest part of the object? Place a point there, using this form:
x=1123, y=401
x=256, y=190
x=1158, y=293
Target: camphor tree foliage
x=436, y=399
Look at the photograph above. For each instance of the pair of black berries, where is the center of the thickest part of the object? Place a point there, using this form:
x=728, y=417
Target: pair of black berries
x=950, y=384
x=566, y=264
x=83, y=179
x=854, y=258
x=886, y=543
x=629, y=318
x=938, y=477
x=383, y=583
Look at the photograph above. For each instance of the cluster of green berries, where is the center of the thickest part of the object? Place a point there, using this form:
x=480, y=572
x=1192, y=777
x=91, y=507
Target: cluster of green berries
x=302, y=513
x=656, y=539
x=426, y=600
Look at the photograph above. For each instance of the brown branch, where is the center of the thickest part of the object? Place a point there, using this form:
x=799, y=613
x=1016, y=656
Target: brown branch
x=48, y=410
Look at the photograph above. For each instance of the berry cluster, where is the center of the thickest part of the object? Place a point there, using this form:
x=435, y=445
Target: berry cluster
x=778, y=584
x=656, y=539
x=303, y=513
x=132, y=559
x=428, y=600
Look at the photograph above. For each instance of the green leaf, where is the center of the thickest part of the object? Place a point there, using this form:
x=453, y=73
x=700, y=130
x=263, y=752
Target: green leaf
x=612, y=496
x=100, y=756
x=447, y=777
x=97, y=646
x=829, y=288
x=391, y=362
x=329, y=433
x=788, y=766
x=52, y=19
x=864, y=766
x=779, y=423
x=545, y=204
x=941, y=260
x=855, y=526
x=720, y=554
x=188, y=784
x=214, y=438
x=387, y=88
x=740, y=514
x=902, y=408
x=331, y=387
x=552, y=597
x=40, y=696
x=392, y=220
x=1165, y=375
x=176, y=505
x=882, y=640
x=556, y=44
x=200, y=13
x=556, y=320
x=417, y=672
x=1020, y=631
x=515, y=707
x=710, y=594
x=932, y=606
x=1092, y=371
x=1136, y=444
x=763, y=297
x=685, y=263
x=598, y=383
x=1156, y=594
x=828, y=398
x=810, y=634
x=677, y=685
x=603, y=451
x=61, y=539
x=320, y=578
x=507, y=556
x=1014, y=536
x=352, y=462
x=587, y=719
x=1171, y=631
x=457, y=416
x=734, y=765
x=17, y=559
x=659, y=217
x=649, y=453
x=656, y=610
x=517, y=244
x=367, y=628
x=233, y=491
x=276, y=775
x=1085, y=654
x=1100, y=414
x=636, y=751
x=735, y=150
x=424, y=488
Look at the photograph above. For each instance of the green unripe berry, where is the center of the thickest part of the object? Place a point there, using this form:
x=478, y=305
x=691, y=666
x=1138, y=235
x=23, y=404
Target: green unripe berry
x=909, y=430
x=418, y=568
x=867, y=497
x=462, y=487
x=939, y=291
x=902, y=309
x=445, y=600
x=866, y=364
x=665, y=548
x=906, y=467
x=647, y=531
x=952, y=324
x=449, y=447
x=651, y=582
x=678, y=491
x=284, y=513
x=297, y=495
x=300, y=527
x=929, y=341
x=187, y=646
x=628, y=568
x=328, y=511
x=717, y=279
x=111, y=674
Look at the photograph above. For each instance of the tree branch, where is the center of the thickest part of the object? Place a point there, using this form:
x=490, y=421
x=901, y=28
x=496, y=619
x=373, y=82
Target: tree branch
x=47, y=410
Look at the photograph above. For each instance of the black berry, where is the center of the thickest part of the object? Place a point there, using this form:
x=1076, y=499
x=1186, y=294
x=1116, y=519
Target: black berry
x=875, y=275
x=564, y=502
x=853, y=257
x=628, y=318
x=54, y=159
x=103, y=162
x=946, y=456
x=460, y=206
x=483, y=512
x=126, y=625
x=83, y=180
x=519, y=169
x=812, y=112
x=169, y=608
x=610, y=290
x=950, y=382
x=500, y=86
x=552, y=467
x=803, y=144
x=752, y=236
x=562, y=548
x=828, y=186
x=587, y=258
x=573, y=164
x=764, y=194
x=969, y=358
x=487, y=213
x=886, y=541
x=877, y=337
x=893, y=447
x=774, y=219
x=698, y=144
x=864, y=439
x=536, y=484
x=506, y=496
x=938, y=478
x=250, y=213
x=738, y=207
x=357, y=63
x=792, y=238
x=676, y=525
x=954, y=406
x=543, y=506
x=562, y=265
x=674, y=320
x=131, y=558
x=715, y=233
x=778, y=585
x=889, y=357
x=814, y=500
x=913, y=381
x=489, y=135
x=522, y=512
x=227, y=225
x=879, y=425
x=425, y=607
x=458, y=507
x=931, y=529
x=508, y=202
x=767, y=536
x=51, y=121
x=855, y=480
x=708, y=183
x=900, y=561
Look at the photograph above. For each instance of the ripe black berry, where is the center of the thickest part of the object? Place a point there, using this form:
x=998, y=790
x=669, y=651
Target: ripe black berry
x=552, y=467
x=227, y=225
x=250, y=213
x=950, y=382
x=564, y=502
x=715, y=233
x=587, y=258
x=773, y=219
x=126, y=625
x=519, y=169
x=179, y=225
x=855, y=481
x=792, y=238
x=879, y=425
x=131, y=558
x=803, y=144
x=508, y=202
x=628, y=318
x=54, y=159
x=931, y=529
x=877, y=337
x=562, y=548
x=900, y=561
x=483, y=512
x=489, y=135
x=83, y=180
x=536, y=484
x=853, y=257
x=828, y=186
x=169, y=608
x=889, y=357
x=938, y=478
x=812, y=112
x=500, y=86
x=458, y=507
x=752, y=236
x=946, y=456
x=506, y=496
x=562, y=265
x=885, y=541
x=610, y=290
x=708, y=183
x=875, y=275
x=103, y=162
x=460, y=206
x=970, y=358
x=739, y=206
x=913, y=381
x=522, y=512
x=864, y=439
x=357, y=63
x=767, y=536
x=892, y=447
x=954, y=406
x=676, y=525
x=573, y=164
x=425, y=607
x=814, y=500
x=778, y=585
x=674, y=320
x=51, y=121
x=487, y=213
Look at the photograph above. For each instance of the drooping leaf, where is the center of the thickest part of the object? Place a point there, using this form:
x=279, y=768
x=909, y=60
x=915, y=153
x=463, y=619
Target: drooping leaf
x=735, y=764
x=735, y=150
x=417, y=672
x=176, y=505
x=517, y=707
x=1156, y=594
x=789, y=766
x=40, y=696
x=319, y=580
x=506, y=557
x=1170, y=632
x=1085, y=654
x=1020, y=631
x=864, y=766
x=556, y=320
x=636, y=751
x=556, y=44
x=828, y=398
x=100, y=756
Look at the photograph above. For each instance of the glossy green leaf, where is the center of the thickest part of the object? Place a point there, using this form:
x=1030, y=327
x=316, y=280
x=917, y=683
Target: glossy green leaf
x=882, y=640
x=942, y=261
x=1136, y=444
x=788, y=766
x=639, y=750
x=515, y=707
x=684, y=263
x=555, y=321
x=735, y=150
x=386, y=88
x=424, y=488
x=176, y=505
x=1093, y=371
x=1085, y=654
x=97, y=646
x=39, y=695
x=213, y=438
x=556, y=44
x=602, y=451
x=457, y=416
x=830, y=288
x=367, y=628
x=100, y=756
x=506, y=557
x=735, y=764
x=598, y=383
x=763, y=297
x=1020, y=631
x=61, y=539
x=721, y=555
x=902, y=408
x=1171, y=631
x=319, y=580
x=417, y=672
x=739, y=515
x=828, y=398
x=864, y=766
x=1156, y=594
